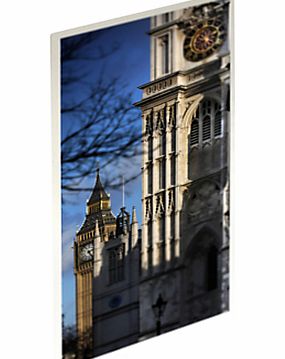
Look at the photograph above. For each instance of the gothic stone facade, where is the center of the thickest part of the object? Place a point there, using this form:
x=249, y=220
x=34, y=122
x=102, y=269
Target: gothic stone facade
x=182, y=256
x=185, y=110
x=107, y=277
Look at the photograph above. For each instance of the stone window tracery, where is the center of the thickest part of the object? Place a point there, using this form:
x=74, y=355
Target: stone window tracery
x=116, y=264
x=194, y=136
x=207, y=124
x=218, y=124
x=206, y=128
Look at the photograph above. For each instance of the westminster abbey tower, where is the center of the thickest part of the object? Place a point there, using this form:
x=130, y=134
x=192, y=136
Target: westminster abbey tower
x=185, y=168
x=175, y=271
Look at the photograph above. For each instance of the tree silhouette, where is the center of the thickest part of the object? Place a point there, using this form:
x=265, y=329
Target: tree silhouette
x=69, y=342
x=100, y=126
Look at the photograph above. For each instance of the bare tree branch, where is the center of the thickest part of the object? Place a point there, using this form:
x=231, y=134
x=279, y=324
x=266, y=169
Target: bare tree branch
x=100, y=124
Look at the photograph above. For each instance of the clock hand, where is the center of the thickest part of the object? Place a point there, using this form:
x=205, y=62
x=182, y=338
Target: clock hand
x=90, y=251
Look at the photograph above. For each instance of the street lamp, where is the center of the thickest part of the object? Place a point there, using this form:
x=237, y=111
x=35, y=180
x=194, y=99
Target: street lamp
x=158, y=309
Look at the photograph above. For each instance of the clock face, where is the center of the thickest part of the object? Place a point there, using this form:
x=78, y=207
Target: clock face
x=203, y=40
x=86, y=252
x=115, y=302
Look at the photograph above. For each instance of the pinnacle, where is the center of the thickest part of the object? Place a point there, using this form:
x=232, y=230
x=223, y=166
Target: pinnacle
x=98, y=191
x=134, y=215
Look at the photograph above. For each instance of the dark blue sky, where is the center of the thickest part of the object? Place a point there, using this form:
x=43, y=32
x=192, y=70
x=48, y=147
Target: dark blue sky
x=131, y=63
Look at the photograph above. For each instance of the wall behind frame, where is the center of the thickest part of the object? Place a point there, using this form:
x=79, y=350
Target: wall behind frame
x=251, y=328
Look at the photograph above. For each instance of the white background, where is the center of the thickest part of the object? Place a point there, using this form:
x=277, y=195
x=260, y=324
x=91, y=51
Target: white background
x=255, y=326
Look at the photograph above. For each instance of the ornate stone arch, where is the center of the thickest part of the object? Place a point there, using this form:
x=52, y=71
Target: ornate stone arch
x=189, y=114
x=203, y=125
x=201, y=261
x=185, y=127
x=214, y=107
x=208, y=234
x=191, y=111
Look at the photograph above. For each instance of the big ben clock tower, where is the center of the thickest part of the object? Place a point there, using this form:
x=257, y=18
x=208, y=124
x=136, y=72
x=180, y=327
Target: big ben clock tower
x=99, y=217
x=184, y=253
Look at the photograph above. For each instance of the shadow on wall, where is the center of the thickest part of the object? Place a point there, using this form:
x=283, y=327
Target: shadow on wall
x=187, y=288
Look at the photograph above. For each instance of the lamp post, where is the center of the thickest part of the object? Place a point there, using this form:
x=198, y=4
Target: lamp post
x=158, y=309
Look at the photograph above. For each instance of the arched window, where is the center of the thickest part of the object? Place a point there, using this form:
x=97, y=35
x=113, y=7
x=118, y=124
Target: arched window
x=202, y=265
x=194, y=136
x=210, y=119
x=205, y=107
x=116, y=264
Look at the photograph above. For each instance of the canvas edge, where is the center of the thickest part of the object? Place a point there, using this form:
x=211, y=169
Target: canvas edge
x=56, y=193
x=231, y=154
x=55, y=39
x=126, y=18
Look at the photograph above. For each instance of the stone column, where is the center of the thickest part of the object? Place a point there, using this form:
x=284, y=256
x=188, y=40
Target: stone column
x=179, y=178
x=168, y=186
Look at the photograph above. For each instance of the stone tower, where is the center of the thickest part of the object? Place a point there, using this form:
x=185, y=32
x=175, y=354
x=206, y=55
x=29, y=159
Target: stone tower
x=115, y=286
x=99, y=219
x=184, y=254
x=107, y=250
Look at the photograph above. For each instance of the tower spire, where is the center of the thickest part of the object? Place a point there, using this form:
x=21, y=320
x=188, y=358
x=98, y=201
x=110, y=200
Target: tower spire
x=134, y=227
x=99, y=209
x=98, y=192
x=134, y=215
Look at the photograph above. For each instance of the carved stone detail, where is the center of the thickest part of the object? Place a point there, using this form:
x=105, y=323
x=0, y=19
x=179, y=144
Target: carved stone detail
x=204, y=200
x=159, y=207
x=148, y=209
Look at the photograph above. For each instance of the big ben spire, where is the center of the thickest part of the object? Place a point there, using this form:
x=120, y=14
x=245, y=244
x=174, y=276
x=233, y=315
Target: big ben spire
x=98, y=226
x=107, y=273
x=98, y=191
x=99, y=208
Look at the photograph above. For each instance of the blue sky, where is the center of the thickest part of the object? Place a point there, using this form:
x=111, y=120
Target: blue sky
x=131, y=63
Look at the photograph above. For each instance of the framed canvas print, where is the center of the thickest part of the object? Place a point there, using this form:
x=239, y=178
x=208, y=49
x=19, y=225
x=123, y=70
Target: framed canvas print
x=142, y=111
